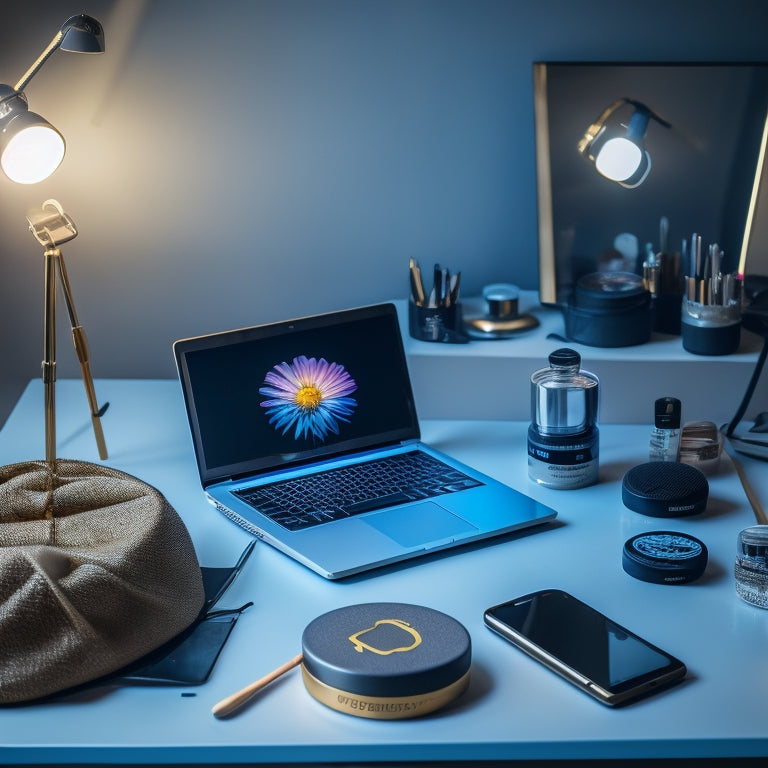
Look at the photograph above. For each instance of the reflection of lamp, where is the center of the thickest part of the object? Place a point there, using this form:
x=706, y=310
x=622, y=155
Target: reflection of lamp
x=618, y=151
x=31, y=149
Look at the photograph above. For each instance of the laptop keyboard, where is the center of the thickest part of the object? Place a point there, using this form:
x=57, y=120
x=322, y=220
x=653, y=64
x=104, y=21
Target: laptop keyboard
x=338, y=493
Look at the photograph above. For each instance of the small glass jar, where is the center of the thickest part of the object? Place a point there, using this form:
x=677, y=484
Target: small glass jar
x=751, y=566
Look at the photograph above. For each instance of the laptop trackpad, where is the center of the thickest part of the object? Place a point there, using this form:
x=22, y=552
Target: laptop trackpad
x=419, y=524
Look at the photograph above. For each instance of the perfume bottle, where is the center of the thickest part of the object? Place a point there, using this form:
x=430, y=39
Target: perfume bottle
x=665, y=435
x=563, y=438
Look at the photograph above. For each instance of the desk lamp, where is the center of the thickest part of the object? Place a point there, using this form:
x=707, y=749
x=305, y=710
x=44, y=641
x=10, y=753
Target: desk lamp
x=31, y=149
x=619, y=152
x=98, y=568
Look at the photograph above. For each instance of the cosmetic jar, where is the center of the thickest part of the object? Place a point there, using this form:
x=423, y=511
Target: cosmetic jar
x=665, y=489
x=664, y=557
x=609, y=309
x=385, y=661
x=701, y=445
x=563, y=438
x=751, y=566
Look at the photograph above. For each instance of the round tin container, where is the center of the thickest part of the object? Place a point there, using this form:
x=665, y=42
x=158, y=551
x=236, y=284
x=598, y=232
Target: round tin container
x=385, y=661
x=664, y=557
x=665, y=489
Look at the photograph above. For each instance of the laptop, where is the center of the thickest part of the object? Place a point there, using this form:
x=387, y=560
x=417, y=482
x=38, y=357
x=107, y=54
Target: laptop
x=323, y=405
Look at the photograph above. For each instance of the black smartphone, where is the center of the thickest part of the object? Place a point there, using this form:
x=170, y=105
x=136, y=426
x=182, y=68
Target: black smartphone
x=578, y=642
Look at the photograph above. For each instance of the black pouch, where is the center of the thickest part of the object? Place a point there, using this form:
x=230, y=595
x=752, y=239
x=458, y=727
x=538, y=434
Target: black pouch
x=188, y=658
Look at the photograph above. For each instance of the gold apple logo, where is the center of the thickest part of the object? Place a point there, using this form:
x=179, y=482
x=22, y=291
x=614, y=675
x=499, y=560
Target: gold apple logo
x=386, y=637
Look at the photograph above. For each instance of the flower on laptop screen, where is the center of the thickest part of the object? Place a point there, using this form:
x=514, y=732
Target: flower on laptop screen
x=308, y=395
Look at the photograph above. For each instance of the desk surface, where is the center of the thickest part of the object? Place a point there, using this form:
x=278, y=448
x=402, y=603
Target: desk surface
x=514, y=708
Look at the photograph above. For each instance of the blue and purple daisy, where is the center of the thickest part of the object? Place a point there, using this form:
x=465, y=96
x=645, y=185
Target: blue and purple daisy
x=308, y=395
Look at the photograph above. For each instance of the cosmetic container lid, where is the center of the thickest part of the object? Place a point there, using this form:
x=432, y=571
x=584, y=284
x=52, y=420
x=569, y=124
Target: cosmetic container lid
x=753, y=543
x=665, y=489
x=385, y=660
x=664, y=557
x=667, y=412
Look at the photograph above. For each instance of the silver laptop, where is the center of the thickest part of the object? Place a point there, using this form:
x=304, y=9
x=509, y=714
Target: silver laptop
x=306, y=435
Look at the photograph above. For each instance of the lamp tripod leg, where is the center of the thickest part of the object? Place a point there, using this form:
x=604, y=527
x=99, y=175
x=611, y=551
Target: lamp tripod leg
x=81, y=349
x=49, y=356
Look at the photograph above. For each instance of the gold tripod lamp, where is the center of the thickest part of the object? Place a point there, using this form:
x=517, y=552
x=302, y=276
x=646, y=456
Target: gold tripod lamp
x=30, y=150
x=78, y=539
x=52, y=227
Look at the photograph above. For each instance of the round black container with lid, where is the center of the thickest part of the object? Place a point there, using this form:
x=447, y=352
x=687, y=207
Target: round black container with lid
x=664, y=557
x=609, y=309
x=665, y=489
x=385, y=661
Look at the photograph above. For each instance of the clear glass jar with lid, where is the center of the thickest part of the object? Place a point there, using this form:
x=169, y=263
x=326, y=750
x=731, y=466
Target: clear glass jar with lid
x=563, y=437
x=751, y=566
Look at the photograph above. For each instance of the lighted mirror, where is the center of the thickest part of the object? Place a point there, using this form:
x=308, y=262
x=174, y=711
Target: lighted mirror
x=686, y=158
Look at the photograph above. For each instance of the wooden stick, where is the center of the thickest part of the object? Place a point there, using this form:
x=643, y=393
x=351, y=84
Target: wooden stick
x=754, y=502
x=231, y=703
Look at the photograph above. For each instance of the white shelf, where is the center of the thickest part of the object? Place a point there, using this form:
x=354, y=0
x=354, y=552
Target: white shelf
x=490, y=379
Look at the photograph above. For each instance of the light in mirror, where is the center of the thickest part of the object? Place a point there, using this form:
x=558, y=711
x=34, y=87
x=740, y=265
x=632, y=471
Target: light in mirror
x=704, y=142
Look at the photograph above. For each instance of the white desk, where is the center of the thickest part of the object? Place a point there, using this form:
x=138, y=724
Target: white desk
x=514, y=708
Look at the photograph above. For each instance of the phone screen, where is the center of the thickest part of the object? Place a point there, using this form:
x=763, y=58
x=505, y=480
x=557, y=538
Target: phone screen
x=553, y=623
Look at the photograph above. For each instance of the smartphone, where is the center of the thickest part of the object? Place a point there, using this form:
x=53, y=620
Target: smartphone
x=578, y=642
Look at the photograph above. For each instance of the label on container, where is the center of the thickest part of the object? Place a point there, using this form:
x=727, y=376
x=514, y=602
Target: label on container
x=569, y=462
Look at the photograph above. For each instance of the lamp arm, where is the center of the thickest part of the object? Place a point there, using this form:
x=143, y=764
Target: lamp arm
x=41, y=59
x=594, y=129
x=658, y=118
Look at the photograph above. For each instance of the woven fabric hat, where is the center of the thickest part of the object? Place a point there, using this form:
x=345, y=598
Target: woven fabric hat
x=96, y=570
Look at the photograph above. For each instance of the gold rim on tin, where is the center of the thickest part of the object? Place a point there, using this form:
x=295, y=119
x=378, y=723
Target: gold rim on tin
x=383, y=707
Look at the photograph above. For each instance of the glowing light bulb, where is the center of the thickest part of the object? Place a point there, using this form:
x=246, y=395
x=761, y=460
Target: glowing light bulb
x=33, y=154
x=618, y=159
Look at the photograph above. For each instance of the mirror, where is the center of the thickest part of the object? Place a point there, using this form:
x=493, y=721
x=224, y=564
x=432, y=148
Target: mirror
x=704, y=132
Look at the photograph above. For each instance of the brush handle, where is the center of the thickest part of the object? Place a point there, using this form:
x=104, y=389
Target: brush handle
x=231, y=703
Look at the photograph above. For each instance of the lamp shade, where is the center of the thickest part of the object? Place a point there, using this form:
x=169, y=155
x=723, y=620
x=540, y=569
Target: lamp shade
x=82, y=34
x=618, y=150
x=31, y=149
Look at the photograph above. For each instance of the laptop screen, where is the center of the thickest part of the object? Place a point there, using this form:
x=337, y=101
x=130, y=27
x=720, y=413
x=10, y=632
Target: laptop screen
x=291, y=392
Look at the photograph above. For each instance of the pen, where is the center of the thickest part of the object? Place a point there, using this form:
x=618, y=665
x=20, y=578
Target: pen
x=454, y=290
x=696, y=255
x=417, y=287
x=437, y=286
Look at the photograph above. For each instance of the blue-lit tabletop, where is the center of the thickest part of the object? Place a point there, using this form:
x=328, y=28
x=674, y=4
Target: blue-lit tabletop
x=513, y=709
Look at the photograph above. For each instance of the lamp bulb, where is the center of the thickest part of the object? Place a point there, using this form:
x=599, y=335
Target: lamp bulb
x=33, y=154
x=618, y=159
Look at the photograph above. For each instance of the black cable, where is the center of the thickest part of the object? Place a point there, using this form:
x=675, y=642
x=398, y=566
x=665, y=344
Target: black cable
x=750, y=389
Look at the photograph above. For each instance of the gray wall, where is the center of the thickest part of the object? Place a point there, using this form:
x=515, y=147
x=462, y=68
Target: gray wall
x=235, y=162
